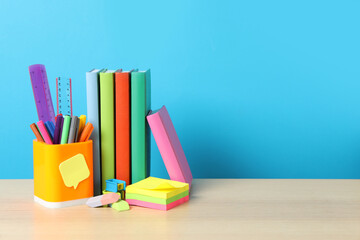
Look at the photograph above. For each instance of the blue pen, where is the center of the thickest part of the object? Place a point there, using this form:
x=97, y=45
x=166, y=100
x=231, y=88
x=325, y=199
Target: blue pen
x=50, y=128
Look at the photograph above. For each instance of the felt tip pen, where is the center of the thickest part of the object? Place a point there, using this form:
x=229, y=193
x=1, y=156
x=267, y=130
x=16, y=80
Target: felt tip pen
x=82, y=123
x=58, y=127
x=65, y=129
x=50, y=128
x=44, y=132
x=36, y=132
x=85, y=135
x=74, y=126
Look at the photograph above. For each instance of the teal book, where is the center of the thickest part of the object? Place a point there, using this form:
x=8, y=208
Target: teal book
x=107, y=126
x=140, y=131
x=92, y=99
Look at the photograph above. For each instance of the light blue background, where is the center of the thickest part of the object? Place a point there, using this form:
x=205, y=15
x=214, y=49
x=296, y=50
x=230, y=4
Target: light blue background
x=256, y=89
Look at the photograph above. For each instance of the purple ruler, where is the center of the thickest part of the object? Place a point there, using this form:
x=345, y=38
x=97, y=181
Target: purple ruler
x=42, y=95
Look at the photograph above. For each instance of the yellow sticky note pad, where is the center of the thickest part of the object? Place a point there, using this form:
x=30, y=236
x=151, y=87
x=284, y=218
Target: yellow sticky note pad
x=74, y=170
x=157, y=187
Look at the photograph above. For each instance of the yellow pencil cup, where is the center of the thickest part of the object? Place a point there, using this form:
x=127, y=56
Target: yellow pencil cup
x=50, y=186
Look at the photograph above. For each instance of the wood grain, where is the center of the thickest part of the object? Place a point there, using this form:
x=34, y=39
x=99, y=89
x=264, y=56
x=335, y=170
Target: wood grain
x=218, y=209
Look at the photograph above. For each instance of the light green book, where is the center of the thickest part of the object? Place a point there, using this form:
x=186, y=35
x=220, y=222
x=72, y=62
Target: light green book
x=140, y=131
x=107, y=129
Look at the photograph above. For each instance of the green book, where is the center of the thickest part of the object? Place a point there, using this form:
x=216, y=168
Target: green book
x=140, y=131
x=107, y=129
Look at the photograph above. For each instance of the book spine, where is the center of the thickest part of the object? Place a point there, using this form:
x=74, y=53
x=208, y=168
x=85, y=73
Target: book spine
x=122, y=126
x=92, y=99
x=140, y=138
x=107, y=127
x=147, y=127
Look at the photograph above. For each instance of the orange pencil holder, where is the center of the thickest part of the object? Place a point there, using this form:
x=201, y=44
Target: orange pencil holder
x=63, y=173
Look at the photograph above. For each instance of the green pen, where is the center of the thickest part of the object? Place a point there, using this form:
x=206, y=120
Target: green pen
x=65, y=130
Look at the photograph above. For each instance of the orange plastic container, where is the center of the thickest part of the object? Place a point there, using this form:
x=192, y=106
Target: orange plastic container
x=49, y=188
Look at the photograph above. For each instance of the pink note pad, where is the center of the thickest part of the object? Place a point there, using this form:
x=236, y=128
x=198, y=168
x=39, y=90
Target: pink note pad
x=163, y=207
x=169, y=145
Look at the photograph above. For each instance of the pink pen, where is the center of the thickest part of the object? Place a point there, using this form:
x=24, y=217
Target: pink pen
x=44, y=132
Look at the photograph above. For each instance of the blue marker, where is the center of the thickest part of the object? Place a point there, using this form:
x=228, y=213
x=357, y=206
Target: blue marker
x=50, y=128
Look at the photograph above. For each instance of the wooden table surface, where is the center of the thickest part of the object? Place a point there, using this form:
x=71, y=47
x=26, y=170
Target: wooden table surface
x=218, y=209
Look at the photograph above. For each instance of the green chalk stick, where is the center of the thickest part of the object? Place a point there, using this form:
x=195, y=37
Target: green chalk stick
x=120, y=206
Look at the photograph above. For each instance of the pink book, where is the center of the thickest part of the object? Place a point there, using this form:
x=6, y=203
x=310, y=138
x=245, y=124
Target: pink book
x=169, y=145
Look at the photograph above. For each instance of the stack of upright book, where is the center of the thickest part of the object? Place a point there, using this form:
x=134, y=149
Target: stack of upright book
x=117, y=105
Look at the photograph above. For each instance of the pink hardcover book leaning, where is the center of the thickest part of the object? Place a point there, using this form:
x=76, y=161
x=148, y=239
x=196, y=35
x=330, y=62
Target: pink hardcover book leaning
x=169, y=145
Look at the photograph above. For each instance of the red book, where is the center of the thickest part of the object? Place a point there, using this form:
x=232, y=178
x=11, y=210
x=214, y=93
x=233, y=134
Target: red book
x=122, y=126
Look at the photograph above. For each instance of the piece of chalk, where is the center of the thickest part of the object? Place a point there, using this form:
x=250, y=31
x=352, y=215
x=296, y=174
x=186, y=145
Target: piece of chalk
x=120, y=206
x=103, y=200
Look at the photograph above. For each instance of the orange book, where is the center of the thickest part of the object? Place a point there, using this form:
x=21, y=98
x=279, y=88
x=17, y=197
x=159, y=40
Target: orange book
x=122, y=126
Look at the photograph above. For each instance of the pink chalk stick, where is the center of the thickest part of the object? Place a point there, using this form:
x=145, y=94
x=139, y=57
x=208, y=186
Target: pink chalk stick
x=169, y=145
x=103, y=200
x=163, y=207
x=109, y=198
